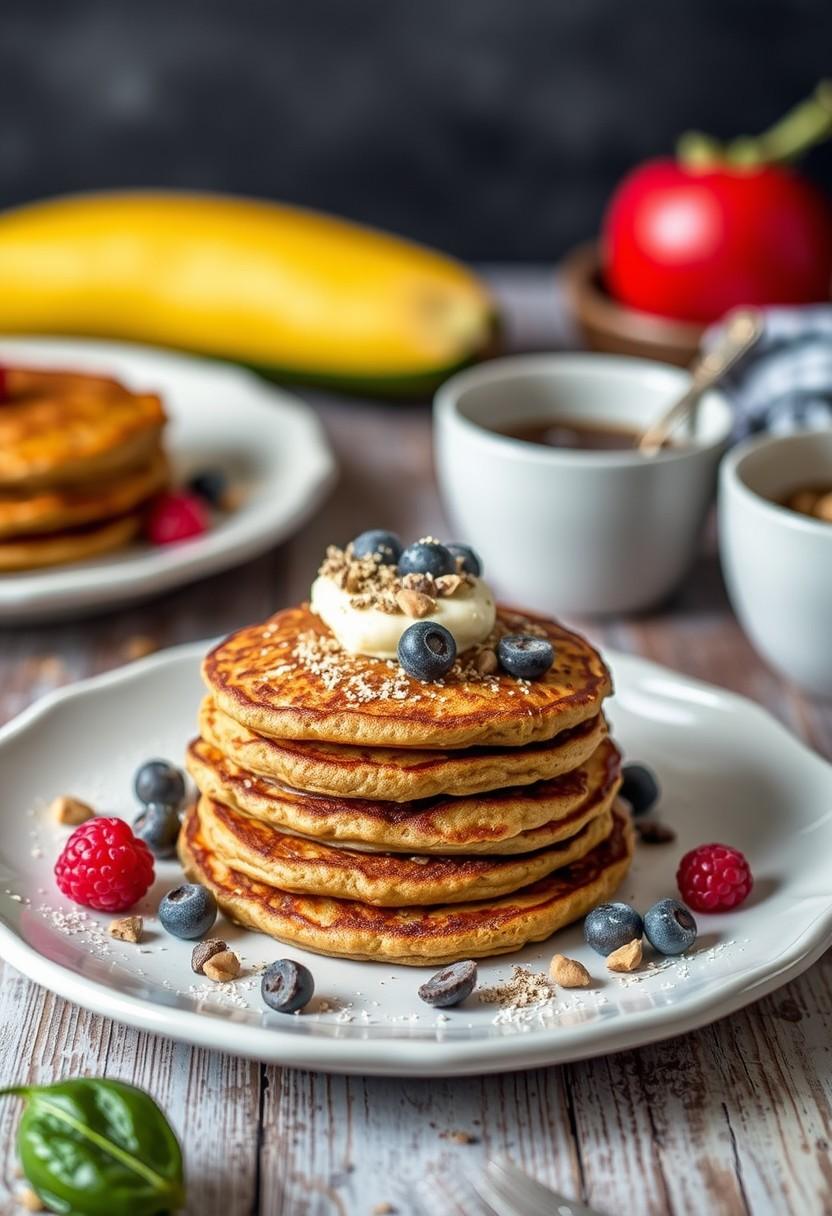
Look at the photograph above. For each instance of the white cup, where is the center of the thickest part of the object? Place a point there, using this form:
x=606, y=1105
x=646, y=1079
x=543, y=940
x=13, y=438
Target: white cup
x=571, y=531
x=778, y=563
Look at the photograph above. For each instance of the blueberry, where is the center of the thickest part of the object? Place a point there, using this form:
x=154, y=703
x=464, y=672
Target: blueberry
x=211, y=485
x=525, y=656
x=188, y=911
x=669, y=927
x=610, y=926
x=158, y=827
x=385, y=545
x=471, y=563
x=639, y=787
x=287, y=986
x=450, y=986
x=158, y=781
x=427, y=557
x=427, y=650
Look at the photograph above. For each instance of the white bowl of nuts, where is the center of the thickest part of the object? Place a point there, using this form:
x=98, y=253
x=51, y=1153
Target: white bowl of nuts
x=775, y=523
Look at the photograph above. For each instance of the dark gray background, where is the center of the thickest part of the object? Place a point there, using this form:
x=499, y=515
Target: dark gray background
x=493, y=128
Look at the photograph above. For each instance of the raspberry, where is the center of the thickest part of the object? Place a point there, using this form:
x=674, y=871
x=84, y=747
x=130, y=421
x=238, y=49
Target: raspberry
x=104, y=866
x=175, y=517
x=714, y=878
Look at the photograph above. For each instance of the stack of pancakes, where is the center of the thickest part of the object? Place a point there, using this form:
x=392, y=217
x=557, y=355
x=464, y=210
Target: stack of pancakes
x=350, y=809
x=80, y=456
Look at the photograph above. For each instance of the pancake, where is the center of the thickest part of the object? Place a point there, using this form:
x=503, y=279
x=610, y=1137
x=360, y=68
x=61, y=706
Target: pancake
x=397, y=774
x=288, y=678
x=308, y=867
x=62, y=436
x=59, y=548
x=58, y=509
x=496, y=822
x=414, y=936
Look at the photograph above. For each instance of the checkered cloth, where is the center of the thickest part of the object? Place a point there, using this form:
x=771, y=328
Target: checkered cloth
x=785, y=382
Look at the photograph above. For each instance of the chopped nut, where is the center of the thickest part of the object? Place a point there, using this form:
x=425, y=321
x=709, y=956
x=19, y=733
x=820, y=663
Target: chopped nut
x=204, y=950
x=414, y=603
x=383, y=1209
x=419, y=582
x=448, y=584
x=71, y=811
x=462, y=1138
x=222, y=967
x=128, y=929
x=568, y=972
x=486, y=662
x=626, y=958
x=139, y=646
x=650, y=831
x=29, y=1200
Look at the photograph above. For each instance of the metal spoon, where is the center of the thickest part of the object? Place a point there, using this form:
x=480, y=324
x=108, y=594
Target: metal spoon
x=741, y=330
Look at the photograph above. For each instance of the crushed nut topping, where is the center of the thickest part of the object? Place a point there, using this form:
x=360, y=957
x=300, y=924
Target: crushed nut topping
x=203, y=951
x=371, y=584
x=626, y=958
x=448, y=584
x=128, y=929
x=222, y=967
x=415, y=604
x=70, y=811
x=568, y=972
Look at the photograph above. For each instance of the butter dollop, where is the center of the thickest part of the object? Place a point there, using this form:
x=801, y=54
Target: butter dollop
x=468, y=614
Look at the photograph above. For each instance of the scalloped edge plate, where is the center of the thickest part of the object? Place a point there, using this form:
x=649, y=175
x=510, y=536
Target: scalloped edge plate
x=728, y=771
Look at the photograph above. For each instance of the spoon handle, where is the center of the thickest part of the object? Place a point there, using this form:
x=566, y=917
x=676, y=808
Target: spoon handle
x=741, y=331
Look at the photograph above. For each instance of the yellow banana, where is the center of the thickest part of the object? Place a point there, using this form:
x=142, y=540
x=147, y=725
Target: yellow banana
x=295, y=293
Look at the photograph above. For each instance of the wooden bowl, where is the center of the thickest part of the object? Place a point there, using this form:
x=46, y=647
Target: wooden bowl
x=611, y=327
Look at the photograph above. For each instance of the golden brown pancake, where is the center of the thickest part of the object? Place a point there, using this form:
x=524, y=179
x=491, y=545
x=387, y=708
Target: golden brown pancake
x=288, y=678
x=59, y=548
x=308, y=867
x=74, y=431
x=54, y=510
x=397, y=774
x=507, y=821
x=416, y=936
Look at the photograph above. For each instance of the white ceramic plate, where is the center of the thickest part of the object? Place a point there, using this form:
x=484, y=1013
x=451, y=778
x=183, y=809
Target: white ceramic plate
x=269, y=443
x=729, y=772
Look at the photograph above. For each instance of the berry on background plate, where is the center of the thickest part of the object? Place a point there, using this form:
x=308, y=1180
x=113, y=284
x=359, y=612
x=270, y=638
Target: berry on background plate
x=176, y=516
x=104, y=866
x=714, y=878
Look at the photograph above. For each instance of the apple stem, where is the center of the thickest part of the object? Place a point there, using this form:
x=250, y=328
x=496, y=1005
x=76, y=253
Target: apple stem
x=809, y=123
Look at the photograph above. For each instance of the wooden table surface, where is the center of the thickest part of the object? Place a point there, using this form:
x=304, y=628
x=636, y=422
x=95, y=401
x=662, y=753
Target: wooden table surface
x=732, y=1119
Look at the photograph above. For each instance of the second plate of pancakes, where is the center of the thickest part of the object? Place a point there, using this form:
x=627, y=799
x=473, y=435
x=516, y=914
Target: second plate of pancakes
x=81, y=541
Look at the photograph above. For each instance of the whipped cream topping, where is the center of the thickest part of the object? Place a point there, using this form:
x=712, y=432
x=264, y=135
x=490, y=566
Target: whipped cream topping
x=469, y=614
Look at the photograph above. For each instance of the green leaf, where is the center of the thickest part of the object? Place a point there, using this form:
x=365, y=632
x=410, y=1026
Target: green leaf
x=93, y=1147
